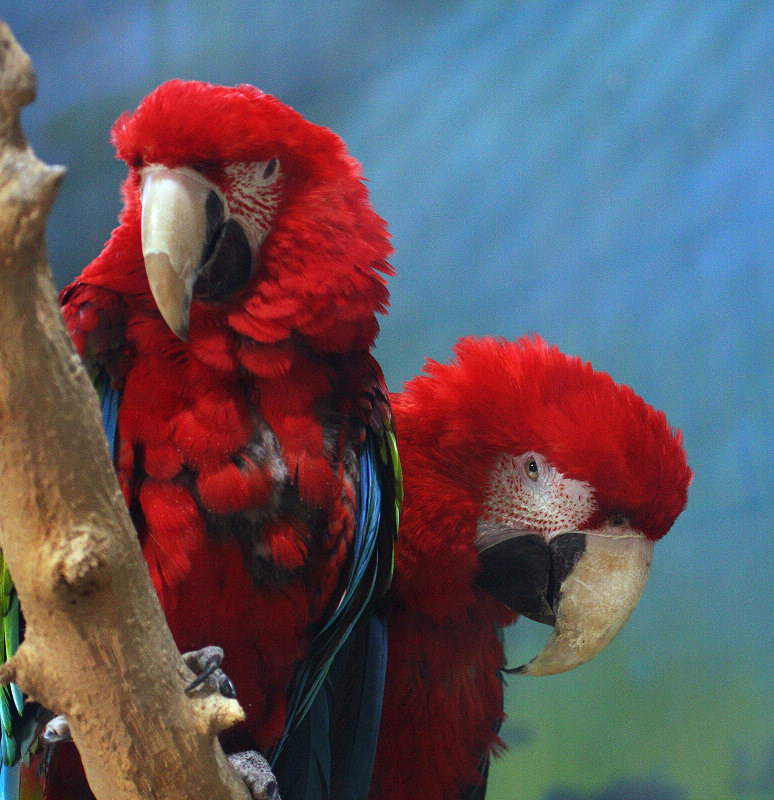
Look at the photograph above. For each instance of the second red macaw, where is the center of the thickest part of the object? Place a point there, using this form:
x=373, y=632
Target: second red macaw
x=534, y=485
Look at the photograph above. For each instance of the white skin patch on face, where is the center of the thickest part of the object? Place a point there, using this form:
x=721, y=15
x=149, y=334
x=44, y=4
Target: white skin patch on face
x=253, y=191
x=527, y=493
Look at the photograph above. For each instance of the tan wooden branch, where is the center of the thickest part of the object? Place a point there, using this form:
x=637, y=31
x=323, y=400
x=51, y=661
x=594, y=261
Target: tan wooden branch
x=97, y=647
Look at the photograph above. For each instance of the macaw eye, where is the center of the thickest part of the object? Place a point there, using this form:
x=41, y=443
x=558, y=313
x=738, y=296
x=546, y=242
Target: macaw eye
x=270, y=168
x=532, y=469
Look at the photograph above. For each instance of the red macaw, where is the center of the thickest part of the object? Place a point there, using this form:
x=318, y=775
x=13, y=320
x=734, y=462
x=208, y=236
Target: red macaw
x=534, y=485
x=232, y=314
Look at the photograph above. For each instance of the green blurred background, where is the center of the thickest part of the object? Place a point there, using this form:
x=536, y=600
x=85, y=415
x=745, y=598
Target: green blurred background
x=600, y=173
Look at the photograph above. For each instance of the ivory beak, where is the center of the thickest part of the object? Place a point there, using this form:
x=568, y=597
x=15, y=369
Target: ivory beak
x=595, y=600
x=585, y=584
x=181, y=212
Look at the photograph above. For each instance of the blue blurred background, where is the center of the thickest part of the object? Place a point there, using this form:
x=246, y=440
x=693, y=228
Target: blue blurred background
x=601, y=173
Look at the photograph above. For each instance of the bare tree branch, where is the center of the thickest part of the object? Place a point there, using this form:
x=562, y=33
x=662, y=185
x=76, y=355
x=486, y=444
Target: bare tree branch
x=97, y=647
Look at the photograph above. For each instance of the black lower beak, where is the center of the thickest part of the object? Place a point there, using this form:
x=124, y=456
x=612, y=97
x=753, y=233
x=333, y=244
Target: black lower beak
x=526, y=572
x=585, y=585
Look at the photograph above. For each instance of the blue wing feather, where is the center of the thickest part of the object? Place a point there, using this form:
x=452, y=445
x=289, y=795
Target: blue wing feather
x=109, y=399
x=357, y=710
x=336, y=701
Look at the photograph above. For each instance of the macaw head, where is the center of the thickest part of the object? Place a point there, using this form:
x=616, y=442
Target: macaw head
x=558, y=480
x=247, y=216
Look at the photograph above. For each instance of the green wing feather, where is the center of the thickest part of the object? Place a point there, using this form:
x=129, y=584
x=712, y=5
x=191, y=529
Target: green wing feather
x=393, y=476
x=11, y=698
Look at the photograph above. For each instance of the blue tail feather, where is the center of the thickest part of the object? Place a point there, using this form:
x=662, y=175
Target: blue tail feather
x=303, y=768
x=358, y=711
x=329, y=743
x=356, y=598
x=10, y=781
x=330, y=753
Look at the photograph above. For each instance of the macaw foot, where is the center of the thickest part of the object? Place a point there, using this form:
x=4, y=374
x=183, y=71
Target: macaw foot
x=57, y=731
x=255, y=771
x=251, y=766
x=206, y=664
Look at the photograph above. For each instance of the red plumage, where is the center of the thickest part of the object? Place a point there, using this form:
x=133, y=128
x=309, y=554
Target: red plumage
x=235, y=447
x=443, y=698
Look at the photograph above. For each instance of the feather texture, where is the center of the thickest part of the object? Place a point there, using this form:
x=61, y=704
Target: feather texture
x=256, y=456
x=335, y=705
x=11, y=699
x=355, y=599
x=607, y=454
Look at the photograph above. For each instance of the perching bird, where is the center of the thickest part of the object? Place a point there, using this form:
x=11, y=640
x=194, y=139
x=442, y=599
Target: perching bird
x=232, y=312
x=534, y=485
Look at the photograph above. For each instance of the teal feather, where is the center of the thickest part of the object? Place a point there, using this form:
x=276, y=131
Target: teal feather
x=355, y=600
x=329, y=743
x=10, y=751
x=11, y=699
x=11, y=623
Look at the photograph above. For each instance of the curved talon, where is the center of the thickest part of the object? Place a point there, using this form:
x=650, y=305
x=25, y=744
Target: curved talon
x=206, y=664
x=203, y=662
x=207, y=672
x=226, y=687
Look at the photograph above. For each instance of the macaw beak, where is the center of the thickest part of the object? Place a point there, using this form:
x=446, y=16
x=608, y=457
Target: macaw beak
x=182, y=216
x=585, y=584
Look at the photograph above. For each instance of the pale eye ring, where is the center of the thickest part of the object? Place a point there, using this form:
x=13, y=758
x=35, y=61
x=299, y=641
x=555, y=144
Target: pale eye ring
x=531, y=468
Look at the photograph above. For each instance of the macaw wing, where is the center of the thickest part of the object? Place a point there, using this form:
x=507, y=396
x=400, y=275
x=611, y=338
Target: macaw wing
x=477, y=791
x=109, y=399
x=329, y=742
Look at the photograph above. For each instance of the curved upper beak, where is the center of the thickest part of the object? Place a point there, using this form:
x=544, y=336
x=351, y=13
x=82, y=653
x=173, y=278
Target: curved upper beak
x=585, y=584
x=182, y=213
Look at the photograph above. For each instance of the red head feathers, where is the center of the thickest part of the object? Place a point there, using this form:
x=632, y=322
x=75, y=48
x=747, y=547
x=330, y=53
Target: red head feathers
x=318, y=247
x=512, y=397
x=534, y=485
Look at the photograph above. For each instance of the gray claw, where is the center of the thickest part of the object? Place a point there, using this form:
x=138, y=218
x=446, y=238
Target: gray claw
x=206, y=664
x=255, y=771
x=57, y=731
